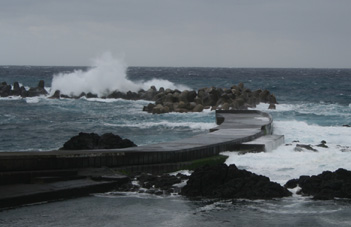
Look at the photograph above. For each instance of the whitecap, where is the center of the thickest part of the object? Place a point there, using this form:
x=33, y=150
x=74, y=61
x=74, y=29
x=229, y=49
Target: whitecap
x=10, y=98
x=32, y=99
x=167, y=124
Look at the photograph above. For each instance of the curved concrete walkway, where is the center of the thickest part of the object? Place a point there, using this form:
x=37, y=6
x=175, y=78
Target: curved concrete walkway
x=235, y=128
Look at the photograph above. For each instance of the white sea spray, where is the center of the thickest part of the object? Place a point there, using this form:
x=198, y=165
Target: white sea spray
x=106, y=75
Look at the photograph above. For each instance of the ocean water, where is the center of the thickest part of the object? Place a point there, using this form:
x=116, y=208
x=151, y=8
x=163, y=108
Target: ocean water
x=314, y=104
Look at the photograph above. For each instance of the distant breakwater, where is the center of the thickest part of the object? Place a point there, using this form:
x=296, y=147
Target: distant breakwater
x=236, y=97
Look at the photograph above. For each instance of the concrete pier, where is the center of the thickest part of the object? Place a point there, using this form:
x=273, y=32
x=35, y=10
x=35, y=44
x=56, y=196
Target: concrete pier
x=234, y=129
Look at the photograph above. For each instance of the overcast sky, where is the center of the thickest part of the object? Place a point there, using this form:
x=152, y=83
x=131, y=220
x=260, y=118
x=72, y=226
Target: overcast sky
x=219, y=33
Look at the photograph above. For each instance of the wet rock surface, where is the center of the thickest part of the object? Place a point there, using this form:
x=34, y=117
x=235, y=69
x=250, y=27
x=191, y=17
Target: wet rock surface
x=228, y=182
x=87, y=141
x=325, y=186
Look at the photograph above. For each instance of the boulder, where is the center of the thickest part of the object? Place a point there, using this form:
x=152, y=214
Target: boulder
x=157, y=109
x=327, y=185
x=56, y=95
x=41, y=84
x=323, y=144
x=198, y=108
x=191, y=96
x=225, y=106
x=183, y=105
x=23, y=92
x=149, y=107
x=272, y=106
x=36, y=91
x=183, y=97
x=301, y=147
x=192, y=105
x=168, y=98
x=150, y=94
x=264, y=96
x=116, y=95
x=272, y=99
x=111, y=141
x=16, y=91
x=228, y=182
x=82, y=141
x=91, y=95
x=132, y=95
x=88, y=141
x=5, y=90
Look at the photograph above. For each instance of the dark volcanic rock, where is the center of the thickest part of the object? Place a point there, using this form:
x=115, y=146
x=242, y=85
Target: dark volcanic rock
x=228, y=182
x=56, y=95
x=82, y=141
x=88, y=141
x=327, y=185
x=323, y=144
x=5, y=90
x=155, y=184
x=36, y=91
x=111, y=141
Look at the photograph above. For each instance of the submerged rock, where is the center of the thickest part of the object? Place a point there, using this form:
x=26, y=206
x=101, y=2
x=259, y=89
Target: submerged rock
x=323, y=144
x=327, y=185
x=301, y=147
x=88, y=141
x=228, y=182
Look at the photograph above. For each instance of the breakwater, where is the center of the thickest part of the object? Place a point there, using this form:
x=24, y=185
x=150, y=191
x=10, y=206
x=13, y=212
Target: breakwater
x=235, y=127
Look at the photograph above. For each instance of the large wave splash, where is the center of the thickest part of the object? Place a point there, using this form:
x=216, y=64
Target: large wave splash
x=106, y=75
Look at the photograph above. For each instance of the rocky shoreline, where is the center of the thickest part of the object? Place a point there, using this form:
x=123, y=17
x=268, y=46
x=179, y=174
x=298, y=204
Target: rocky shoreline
x=236, y=97
x=228, y=182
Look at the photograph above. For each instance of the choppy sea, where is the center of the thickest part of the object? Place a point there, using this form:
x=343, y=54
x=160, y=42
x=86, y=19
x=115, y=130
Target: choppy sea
x=314, y=105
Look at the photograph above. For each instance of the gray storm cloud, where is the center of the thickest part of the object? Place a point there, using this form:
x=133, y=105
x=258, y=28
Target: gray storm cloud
x=177, y=33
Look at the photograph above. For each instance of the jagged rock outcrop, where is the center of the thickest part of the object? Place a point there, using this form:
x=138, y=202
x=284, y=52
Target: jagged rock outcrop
x=228, y=182
x=87, y=141
x=327, y=185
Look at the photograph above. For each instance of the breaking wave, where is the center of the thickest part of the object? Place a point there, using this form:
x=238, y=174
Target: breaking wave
x=107, y=74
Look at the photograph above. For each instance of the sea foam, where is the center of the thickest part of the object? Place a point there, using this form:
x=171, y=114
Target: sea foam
x=285, y=163
x=107, y=74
